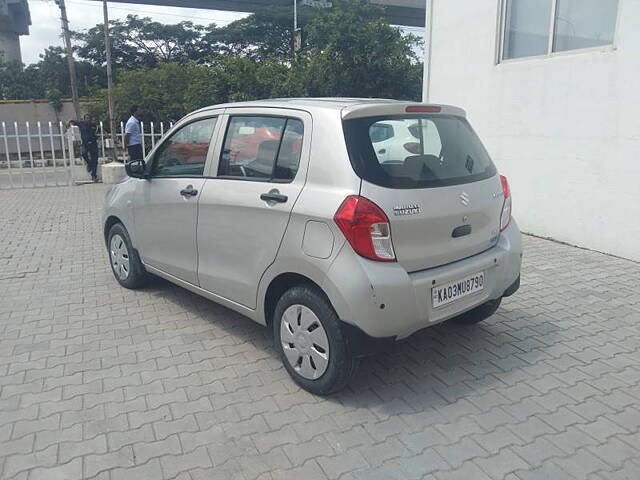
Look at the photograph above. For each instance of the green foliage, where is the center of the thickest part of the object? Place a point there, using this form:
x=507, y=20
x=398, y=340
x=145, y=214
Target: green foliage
x=263, y=35
x=348, y=50
x=18, y=83
x=171, y=90
x=50, y=73
x=140, y=42
x=55, y=99
x=160, y=90
x=352, y=51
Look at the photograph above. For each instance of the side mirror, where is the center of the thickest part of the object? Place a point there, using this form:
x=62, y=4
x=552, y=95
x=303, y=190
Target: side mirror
x=136, y=169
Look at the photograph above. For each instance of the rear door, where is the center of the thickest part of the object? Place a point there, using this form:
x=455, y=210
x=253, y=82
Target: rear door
x=247, y=200
x=440, y=191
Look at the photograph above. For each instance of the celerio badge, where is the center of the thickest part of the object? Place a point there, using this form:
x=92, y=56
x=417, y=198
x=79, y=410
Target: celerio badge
x=403, y=210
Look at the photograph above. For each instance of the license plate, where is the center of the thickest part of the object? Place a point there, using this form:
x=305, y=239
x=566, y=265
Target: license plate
x=452, y=291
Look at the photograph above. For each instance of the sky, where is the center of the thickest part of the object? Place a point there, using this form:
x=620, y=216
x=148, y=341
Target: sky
x=83, y=14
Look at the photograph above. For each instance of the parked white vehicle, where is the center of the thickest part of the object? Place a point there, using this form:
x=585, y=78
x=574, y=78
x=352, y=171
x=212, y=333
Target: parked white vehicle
x=395, y=140
x=287, y=212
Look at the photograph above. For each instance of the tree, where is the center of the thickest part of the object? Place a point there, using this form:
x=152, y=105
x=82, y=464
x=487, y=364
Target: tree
x=140, y=42
x=265, y=34
x=352, y=51
x=50, y=73
x=55, y=100
x=17, y=82
x=171, y=90
x=348, y=50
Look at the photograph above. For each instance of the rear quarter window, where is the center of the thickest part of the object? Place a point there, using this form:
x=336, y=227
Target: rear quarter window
x=416, y=151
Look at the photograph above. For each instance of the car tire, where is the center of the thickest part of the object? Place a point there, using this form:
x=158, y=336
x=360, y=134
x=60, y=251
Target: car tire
x=480, y=313
x=125, y=262
x=311, y=344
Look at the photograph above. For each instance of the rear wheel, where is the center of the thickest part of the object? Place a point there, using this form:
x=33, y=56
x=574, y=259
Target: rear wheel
x=312, y=346
x=125, y=263
x=480, y=313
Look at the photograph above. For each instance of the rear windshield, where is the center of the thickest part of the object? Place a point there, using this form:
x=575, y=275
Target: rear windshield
x=416, y=151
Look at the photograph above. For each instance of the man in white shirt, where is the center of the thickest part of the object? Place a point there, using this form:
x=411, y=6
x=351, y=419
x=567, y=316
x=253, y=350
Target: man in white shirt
x=133, y=135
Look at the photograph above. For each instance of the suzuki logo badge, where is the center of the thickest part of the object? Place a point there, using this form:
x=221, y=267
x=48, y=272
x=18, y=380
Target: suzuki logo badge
x=464, y=198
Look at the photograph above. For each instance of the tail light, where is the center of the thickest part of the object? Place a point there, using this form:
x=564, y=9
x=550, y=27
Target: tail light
x=412, y=147
x=505, y=218
x=366, y=228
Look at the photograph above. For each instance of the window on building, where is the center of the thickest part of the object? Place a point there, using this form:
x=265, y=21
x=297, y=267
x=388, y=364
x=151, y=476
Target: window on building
x=584, y=24
x=573, y=24
x=527, y=28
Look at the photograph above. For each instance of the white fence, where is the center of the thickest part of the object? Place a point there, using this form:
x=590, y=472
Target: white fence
x=43, y=154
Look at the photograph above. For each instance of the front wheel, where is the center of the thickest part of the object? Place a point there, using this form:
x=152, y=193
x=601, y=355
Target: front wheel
x=312, y=346
x=125, y=264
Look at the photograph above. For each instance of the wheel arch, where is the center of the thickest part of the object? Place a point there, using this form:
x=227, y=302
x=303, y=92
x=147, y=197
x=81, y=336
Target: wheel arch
x=278, y=286
x=110, y=221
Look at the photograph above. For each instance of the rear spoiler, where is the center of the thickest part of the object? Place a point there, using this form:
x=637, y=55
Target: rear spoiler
x=384, y=109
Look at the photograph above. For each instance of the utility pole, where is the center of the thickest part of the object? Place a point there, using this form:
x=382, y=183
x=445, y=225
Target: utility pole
x=428, y=36
x=107, y=44
x=72, y=66
x=297, y=39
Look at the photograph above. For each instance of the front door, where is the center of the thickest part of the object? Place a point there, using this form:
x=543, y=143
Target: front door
x=167, y=203
x=244, y=210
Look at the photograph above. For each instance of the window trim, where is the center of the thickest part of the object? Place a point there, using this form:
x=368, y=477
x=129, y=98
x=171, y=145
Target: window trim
x=502, y=31
x=177, y=128
x=272, y=179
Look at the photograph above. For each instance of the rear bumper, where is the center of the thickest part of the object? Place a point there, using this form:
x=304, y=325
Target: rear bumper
x=383, y=300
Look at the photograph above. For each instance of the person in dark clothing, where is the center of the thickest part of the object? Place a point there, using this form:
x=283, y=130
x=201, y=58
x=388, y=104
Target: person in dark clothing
x=89, y=145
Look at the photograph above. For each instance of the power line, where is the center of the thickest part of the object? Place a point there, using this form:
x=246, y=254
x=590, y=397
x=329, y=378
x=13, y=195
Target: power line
x=147, y=12
x=150, y=12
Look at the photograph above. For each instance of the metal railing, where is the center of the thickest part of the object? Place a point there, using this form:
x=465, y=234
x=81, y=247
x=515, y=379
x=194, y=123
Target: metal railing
x=43, y=154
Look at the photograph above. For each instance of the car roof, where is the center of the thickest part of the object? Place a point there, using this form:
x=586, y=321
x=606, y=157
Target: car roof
x=336, y=103
x=348, y=106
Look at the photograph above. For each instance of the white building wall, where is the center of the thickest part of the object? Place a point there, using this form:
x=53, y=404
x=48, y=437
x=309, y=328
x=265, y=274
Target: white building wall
x=564, y=129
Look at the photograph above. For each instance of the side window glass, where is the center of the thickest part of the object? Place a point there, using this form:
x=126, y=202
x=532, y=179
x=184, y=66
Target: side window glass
x=185, y=152
x=290, y=151
x=262, y=148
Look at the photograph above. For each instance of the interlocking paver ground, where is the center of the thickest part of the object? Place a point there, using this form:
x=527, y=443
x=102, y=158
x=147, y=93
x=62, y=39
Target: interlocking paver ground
x=100, y=382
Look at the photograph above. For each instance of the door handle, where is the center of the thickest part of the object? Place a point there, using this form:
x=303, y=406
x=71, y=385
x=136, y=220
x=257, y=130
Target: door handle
x=274, y=196
x=189, y=191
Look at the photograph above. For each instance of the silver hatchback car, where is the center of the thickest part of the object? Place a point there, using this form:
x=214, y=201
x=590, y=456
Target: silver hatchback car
x=336, y=222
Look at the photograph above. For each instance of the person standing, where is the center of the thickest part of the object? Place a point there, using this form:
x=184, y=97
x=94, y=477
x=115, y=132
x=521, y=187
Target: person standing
x=133, y=135
x=89, y=144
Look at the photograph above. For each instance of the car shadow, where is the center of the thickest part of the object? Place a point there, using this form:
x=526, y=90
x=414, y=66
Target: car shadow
x=435, y=367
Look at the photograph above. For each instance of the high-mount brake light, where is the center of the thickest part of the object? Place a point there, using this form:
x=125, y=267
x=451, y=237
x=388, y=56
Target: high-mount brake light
x=423, y=109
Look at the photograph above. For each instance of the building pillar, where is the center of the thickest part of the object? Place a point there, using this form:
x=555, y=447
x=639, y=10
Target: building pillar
x=14, y=21
x=10, y=46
